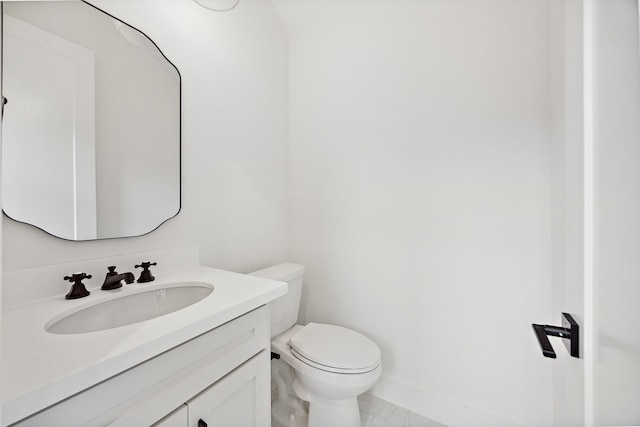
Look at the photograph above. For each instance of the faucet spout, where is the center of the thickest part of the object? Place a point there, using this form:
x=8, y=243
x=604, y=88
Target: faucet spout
x=113, y=280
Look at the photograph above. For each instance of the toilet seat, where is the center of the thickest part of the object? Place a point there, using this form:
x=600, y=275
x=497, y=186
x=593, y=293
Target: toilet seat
x=334, y=349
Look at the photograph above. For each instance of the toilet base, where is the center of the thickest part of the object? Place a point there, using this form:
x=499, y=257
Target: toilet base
x=282, y=415
x=343, y=413
x=334, y=413
x=287, y=410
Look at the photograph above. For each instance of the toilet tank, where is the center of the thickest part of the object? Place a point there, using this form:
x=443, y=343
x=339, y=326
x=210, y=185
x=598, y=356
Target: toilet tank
x=284, y=310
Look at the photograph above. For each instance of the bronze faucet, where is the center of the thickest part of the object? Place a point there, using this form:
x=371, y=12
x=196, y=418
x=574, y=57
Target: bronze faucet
x=113, y=280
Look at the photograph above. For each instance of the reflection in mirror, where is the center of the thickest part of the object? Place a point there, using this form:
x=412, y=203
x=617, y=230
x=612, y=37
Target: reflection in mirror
x=91, y=125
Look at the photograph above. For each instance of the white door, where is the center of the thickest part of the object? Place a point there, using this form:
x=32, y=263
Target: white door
x=49, y=120
x=614, y=382
x=597, y=215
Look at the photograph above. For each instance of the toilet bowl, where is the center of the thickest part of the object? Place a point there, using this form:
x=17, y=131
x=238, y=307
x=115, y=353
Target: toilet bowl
x=332, y=365
x=331, y=388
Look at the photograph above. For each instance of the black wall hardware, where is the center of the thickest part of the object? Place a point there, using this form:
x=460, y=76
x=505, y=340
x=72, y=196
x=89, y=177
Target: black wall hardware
x=78, y=290
x=569, y=332
x=201, y=423
x=146, y=275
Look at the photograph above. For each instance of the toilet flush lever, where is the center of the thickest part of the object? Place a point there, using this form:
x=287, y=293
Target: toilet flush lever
x=569, y=332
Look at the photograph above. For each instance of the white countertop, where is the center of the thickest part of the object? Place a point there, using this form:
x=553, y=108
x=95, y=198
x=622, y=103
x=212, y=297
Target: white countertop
x=40, y=368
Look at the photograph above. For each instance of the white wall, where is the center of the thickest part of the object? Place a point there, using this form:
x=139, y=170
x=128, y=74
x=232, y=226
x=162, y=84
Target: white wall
x=234, y=146
x=420, y=196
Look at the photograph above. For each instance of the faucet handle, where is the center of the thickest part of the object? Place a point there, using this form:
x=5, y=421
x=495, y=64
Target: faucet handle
x=145, y=275
x=78, y=290
x=77, y=277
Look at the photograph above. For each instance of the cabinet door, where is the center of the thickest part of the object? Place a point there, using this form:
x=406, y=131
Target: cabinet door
x=240, y=399
x=177, y=418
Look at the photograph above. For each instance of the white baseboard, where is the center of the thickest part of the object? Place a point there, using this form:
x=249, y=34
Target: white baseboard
x=434, y=406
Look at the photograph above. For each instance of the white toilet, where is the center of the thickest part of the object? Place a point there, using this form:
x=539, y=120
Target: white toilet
x=327, y=366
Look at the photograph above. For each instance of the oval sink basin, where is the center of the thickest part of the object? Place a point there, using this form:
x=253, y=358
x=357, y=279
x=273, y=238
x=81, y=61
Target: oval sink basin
x=134, y=307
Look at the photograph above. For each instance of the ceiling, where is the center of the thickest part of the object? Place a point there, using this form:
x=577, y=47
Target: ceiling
x=298, y=16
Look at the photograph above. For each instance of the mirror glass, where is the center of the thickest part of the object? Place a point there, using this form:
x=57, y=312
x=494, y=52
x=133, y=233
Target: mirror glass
x=90, y=125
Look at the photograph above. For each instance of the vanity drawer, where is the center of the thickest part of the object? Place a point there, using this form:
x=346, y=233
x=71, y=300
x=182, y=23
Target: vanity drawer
x=149, y=391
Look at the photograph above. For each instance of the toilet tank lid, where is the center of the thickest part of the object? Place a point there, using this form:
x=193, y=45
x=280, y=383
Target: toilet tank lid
x=284, y=272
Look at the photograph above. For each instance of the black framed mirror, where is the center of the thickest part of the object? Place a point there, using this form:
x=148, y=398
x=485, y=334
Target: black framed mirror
x=91, y=124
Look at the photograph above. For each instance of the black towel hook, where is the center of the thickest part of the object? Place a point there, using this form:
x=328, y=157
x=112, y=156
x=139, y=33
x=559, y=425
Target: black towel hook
x=569, y=332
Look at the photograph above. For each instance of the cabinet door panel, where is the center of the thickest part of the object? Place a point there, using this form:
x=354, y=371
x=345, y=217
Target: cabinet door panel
x=237, y=400
x=177, y=418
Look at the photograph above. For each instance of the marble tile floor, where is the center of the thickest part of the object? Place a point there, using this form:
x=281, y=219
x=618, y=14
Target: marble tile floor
x=376, y=412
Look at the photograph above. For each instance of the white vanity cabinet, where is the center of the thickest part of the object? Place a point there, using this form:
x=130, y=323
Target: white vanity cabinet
x=178, y=418
x=220, y=377
x=231, y=402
